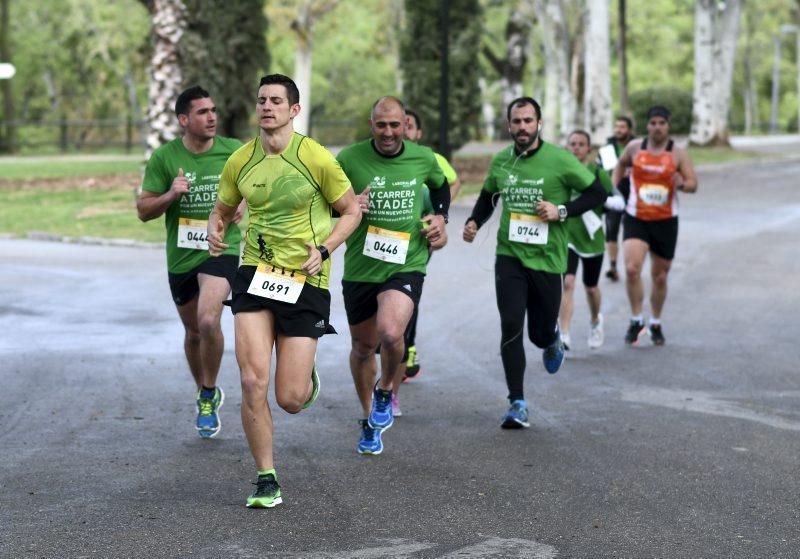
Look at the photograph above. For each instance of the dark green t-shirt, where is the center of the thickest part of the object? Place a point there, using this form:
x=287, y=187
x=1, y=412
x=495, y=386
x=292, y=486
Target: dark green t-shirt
x=389, y=238
x=578, y=235
x=551, y=174
x=189, y=215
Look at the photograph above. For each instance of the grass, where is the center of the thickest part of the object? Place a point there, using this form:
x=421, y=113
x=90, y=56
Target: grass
x=109, y=214
x=57, y=167
x=71, y=209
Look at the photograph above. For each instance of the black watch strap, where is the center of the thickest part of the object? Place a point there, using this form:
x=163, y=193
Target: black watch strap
x=323, y=252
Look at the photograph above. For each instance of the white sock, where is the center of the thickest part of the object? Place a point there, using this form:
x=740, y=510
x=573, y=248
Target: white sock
x=655, y=321
x=638, y=318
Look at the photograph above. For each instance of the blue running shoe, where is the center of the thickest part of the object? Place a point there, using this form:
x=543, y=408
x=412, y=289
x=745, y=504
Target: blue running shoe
x=380, y=416
x=370, y=442
x=553, y=355
x=208, y=405
x=517, y=416
x=315, y=390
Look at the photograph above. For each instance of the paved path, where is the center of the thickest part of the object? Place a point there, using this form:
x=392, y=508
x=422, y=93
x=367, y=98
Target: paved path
x=690, y=450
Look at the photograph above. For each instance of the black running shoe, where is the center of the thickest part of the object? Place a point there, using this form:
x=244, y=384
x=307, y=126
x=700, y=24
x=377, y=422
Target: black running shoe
x=635, y=330
x=612, y=274
x=267, y=493
x=656, y=334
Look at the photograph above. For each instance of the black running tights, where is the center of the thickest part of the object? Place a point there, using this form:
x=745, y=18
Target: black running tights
x=520, y=290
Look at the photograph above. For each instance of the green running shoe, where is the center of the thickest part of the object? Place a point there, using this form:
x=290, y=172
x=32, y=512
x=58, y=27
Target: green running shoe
x=267, y=493
x=315, y=390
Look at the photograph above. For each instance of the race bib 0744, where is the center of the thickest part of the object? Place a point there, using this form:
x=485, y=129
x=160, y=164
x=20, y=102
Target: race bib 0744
x=528, y=229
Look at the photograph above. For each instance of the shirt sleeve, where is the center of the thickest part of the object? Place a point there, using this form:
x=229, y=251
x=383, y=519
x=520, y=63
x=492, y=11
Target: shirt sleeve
x=435, y=178
x=447, y=169
x=228, y=190
x=156, y=175
x=328, y=173
x=576, y=175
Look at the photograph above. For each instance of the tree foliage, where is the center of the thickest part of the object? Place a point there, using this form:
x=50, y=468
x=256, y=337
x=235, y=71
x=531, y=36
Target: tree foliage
x=225, y=51
x=420, y=58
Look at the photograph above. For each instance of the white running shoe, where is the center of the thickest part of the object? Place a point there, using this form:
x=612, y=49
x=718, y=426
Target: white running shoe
x=566, y=340
x=596, y=336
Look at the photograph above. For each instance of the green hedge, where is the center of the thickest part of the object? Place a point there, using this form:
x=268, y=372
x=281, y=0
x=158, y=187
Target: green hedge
x=679, y=103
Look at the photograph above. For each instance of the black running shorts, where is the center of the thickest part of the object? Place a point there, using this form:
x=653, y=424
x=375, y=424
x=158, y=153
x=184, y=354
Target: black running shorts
x=185, y=287
x=361, y=298
x=307, y=318
x=661, y=235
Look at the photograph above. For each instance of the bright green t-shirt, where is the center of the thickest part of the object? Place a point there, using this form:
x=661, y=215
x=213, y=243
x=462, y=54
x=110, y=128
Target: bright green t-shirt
x=203, y=171
x=551, y=174
x=578, y=236
x=392, y=226
x=289, y=199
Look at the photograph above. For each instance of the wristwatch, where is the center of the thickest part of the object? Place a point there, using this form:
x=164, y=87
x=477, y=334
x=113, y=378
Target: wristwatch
x=562, y=212
x=323, y=252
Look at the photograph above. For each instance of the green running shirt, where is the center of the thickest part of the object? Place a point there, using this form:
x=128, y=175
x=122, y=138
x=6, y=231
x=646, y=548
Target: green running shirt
x=393, y=226
x=577, y=234
x=203, y=171
x=289, y=199
x=551, y=174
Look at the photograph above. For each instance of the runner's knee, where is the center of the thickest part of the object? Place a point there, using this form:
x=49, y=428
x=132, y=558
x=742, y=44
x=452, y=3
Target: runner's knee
x=254, y=385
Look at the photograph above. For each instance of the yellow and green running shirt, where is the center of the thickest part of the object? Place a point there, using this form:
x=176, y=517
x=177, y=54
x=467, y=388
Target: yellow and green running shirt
x=550, y=174
x=389, y=238
x=289, y=199
x=578, y=235
x=203, y=171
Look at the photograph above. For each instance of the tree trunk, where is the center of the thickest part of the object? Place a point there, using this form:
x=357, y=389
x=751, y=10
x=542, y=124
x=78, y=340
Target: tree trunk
x=309, y=12
x=10, y=137
x=597, y=81
x=488, y=113
x=562, y=65
x=166, y=78
x=716, y=30
x=622, y=57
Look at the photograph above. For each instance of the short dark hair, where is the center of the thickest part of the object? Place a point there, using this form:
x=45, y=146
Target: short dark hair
x=416, y=118
x=582, y=133
x=183, y=104
x=292, y=93
x=658, y=110
x=521, y=102
x=626, y=119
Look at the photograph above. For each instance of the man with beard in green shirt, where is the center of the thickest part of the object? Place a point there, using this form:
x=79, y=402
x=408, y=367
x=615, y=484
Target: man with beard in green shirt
x=387, y=255
x=535, y=180
x=180, y=182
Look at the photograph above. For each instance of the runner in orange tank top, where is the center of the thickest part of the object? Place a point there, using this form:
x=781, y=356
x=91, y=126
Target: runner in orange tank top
x=659, y=170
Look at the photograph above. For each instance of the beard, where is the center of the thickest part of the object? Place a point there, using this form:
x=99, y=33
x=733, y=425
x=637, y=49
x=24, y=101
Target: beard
x=524, y=145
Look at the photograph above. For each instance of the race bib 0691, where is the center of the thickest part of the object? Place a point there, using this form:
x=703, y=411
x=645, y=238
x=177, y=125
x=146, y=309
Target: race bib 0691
x=276, y=285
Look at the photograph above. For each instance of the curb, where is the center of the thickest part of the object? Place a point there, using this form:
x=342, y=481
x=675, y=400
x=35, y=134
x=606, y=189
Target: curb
x=50, y=237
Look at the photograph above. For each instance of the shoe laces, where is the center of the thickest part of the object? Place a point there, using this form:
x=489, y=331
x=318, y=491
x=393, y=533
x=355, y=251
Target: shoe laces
x=367, y=432
x=266, y=485
x=206, y=406
x=383, y=400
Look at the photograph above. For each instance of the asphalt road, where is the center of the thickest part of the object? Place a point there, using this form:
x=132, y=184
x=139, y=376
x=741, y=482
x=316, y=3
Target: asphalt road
x=688, y=450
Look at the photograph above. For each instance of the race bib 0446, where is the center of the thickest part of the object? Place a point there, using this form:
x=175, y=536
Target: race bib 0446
x=192, y=233
x=386, y=245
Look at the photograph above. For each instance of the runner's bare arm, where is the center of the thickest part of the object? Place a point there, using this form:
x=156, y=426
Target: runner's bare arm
x=219, y=219
x=625, y=162
x=686, y=170
x=349, y=217
x=150, y=205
